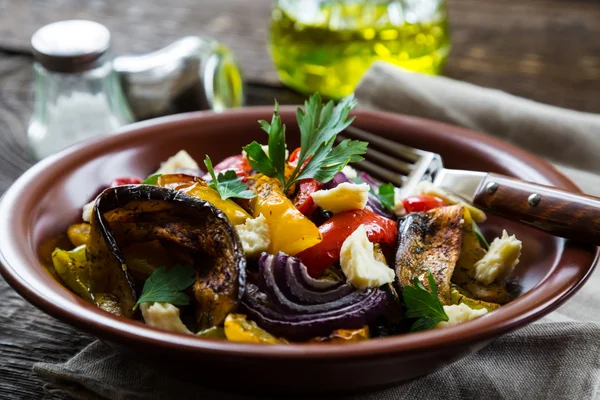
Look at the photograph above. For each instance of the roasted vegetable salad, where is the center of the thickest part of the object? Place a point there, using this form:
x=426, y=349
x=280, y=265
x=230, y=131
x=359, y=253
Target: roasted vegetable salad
x=271, y=247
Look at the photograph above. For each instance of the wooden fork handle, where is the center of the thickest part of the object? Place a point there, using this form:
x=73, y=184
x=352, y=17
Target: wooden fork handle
x=558, y=212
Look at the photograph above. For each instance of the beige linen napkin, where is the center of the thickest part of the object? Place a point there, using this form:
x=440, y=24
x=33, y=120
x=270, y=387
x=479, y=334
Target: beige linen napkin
x=557, y=357
x=570, y=139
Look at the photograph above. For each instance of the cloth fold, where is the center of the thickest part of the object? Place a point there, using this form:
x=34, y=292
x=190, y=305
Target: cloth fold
x=557, y=357
x=557, y=360
x=564, y=136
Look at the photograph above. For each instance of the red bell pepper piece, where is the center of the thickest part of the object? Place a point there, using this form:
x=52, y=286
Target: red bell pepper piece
x=238, y=164
x=293, y=158
x=335, y=231
x=421, y=203
x=132, y=180
x=303, y=200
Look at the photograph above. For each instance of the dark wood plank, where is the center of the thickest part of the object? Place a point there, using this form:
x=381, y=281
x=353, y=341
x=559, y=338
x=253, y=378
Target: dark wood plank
x=149, y=25
x=540, y=49
x=15, y=109
x=27, y=336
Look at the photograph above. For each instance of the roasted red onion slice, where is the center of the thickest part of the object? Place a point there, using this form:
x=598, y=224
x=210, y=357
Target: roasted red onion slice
x=299, y=307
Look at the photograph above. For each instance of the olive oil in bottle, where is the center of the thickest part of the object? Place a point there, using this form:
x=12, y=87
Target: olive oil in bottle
x=327, y=45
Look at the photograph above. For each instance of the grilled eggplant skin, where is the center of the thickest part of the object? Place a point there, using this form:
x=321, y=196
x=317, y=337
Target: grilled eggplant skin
x=430, y=241
x=193, y=229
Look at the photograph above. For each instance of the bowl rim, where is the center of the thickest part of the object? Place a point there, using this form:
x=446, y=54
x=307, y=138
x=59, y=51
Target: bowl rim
x=87, y=317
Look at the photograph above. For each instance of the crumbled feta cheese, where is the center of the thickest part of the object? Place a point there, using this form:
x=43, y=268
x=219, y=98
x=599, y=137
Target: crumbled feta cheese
x=350, y=172
x=427, y=188
x=254, y=235
x=88, y=208
x=163, y=316
x=500, y=260
x=460, y=313
x=345, y=196
x=359, y=264
x=180, y=160
x=398, y=202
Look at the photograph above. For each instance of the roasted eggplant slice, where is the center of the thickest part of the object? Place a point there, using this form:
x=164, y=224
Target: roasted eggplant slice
x=430, y=241
x=193, y=231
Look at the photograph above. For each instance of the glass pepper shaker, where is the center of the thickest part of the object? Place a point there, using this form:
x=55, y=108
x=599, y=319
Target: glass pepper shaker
x=77, y=92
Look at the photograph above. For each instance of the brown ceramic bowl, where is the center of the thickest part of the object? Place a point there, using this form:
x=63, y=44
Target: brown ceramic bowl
x=48, y=197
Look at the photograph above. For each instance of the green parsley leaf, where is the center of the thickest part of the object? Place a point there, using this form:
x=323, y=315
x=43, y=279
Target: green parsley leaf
x=328, y=161
x=276, y=143
x=484, y=243
x=319, y=159
x=151, y=180
x=423, y=305
x=386, y=195
x=259, y=160
x=319, y=124
x=228, y=184
x=273, y=164
x=167, y=286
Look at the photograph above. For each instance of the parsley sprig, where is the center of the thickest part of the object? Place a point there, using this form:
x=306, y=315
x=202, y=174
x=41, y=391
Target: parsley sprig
x=423, y=305
x=484, y=243
x=167, y=286
x=228, y=184
x=386, y=194
x=318, y=159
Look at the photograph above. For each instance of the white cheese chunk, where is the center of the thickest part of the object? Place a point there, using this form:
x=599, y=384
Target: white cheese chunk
x=346, y=196
x=359, y=264
x=427, y=188
x=163, y=316
x=86, y=214
x=180, y=160
x=254, y=235
x=500, y=260
x=398, y=202
x=460, y=313
x=350, y=172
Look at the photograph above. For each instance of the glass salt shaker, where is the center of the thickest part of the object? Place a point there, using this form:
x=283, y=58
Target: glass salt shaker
x=77, y=92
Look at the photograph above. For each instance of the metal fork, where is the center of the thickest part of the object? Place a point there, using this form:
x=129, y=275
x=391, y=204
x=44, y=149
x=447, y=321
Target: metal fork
x=558, y=212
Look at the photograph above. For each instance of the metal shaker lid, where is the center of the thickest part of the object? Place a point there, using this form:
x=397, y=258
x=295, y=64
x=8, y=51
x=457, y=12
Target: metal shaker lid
x=70, y=46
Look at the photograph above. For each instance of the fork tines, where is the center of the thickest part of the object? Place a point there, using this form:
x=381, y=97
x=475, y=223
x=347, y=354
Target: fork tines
x=389, y=161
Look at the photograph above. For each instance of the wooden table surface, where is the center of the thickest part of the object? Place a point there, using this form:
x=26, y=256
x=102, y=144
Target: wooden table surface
x=546, y=50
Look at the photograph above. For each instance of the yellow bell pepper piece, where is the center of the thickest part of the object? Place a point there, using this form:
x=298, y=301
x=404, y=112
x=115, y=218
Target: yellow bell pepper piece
x=345, y=336
x=73, y=269
x=460, y=296
x=196, y=187
x=239, y=329
x=79, y=233
x=214, y=332
x=291, y=231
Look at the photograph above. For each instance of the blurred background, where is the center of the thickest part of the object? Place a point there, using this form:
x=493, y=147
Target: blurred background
x=545, y=50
